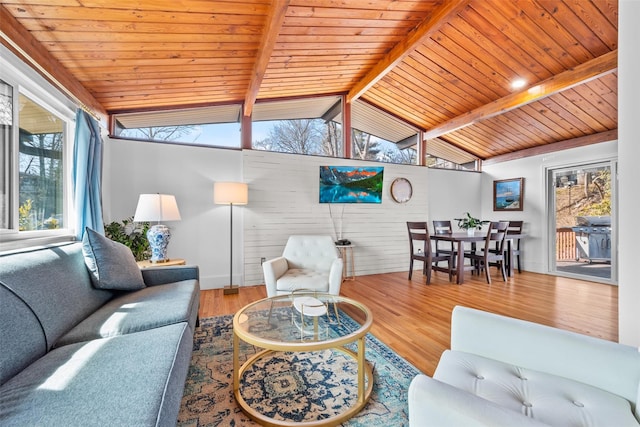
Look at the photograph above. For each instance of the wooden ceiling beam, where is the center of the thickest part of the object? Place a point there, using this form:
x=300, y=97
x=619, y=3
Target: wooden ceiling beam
x=20, y=41
x=415, y=38
x=596, y=138
x=275, y=19
x=580, y=74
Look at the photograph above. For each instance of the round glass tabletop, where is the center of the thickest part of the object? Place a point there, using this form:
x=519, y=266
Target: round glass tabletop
x=308, y=320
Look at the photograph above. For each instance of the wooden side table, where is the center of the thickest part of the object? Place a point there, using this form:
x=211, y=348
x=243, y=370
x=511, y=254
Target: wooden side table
x=174, y=261
x=346, y=252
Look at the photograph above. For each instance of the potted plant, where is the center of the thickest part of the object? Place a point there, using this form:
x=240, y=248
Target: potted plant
x=132, y=234
x=470, y=223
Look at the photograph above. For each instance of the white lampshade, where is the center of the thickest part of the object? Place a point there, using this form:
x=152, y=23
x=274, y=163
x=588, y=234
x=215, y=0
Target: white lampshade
x=157, y=207
x=226, y=193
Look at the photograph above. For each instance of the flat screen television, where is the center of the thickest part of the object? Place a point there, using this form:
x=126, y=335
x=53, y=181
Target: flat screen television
x=350, y=184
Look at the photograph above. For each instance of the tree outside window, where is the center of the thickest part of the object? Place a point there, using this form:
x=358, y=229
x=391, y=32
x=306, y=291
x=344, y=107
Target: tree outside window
x=305, y=136
x=41, y=175
x=317, y=137
x=178, y=133
x=369, y=147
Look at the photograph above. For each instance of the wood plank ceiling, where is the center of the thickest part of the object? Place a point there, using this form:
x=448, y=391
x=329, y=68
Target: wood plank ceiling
x=444, y=66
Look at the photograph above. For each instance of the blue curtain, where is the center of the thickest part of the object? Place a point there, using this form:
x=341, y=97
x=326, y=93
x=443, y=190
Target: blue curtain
x=87, y=174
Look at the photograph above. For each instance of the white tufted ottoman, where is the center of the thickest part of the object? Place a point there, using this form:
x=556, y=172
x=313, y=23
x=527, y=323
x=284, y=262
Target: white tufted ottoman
x=508, y=372
x=551, y=399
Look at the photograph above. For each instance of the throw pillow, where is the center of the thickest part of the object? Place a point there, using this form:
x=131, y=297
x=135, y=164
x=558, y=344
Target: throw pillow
x=111, y=264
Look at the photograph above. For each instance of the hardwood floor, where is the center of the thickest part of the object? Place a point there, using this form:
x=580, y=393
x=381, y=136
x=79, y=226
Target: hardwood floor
x=415, y=319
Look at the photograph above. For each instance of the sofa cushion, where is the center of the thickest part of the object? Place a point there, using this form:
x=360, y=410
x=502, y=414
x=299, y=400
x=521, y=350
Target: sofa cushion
x=547, y=398
x=112, y=264
x=31, y=274
x=22, y=337
x=297, y=278
x=130, y=380
x=434, y=403
x=149, y=308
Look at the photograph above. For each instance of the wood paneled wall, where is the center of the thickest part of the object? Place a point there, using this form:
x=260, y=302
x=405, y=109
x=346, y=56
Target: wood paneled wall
x=283, y=200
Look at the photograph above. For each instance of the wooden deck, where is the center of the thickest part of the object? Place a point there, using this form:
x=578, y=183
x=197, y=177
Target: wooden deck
x=415, y=319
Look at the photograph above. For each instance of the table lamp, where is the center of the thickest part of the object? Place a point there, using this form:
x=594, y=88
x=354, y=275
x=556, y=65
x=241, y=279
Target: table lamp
x=160, y=208
x=230, y=193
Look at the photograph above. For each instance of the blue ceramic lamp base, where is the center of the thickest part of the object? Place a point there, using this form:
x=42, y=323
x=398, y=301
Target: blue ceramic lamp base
x=158, y=236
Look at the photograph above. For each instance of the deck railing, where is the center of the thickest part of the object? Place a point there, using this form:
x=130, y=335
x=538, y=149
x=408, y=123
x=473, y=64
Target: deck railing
x=565, y=244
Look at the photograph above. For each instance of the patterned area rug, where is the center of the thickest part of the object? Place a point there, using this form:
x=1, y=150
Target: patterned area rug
x=290, y=386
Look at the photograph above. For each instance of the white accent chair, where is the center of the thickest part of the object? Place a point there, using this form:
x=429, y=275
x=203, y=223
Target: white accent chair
x=502, y=371
x=308, y=262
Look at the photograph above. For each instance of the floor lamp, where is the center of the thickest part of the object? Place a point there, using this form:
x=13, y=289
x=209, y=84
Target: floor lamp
x=230, y=193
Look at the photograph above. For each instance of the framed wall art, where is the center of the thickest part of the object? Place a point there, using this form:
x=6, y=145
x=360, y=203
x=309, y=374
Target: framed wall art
x=351, y=184
x=508, y=194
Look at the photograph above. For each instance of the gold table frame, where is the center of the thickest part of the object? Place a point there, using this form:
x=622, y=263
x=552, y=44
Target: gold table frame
x=273, y=345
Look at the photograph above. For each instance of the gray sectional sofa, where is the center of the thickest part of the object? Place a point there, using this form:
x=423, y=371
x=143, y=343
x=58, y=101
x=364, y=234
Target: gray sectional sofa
x=72, y=354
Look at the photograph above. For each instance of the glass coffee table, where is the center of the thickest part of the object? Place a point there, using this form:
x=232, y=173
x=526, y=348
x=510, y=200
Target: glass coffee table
x=303, y=322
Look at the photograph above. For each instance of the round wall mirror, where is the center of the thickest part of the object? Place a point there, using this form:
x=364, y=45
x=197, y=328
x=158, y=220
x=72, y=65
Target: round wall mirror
x=401, y=190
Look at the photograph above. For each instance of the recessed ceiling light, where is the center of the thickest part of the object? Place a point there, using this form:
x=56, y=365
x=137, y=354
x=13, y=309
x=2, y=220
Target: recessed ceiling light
x=518, y=83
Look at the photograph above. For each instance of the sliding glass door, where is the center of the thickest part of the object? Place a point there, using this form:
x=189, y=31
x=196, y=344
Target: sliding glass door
x=582, y=221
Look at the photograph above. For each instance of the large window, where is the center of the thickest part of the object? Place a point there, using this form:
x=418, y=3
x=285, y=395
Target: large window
x=443, y=155
x=314, y=126
x=381, y=137
x=39, y=185
x=36, y=129
x=440, y=163
x=309, y=125
x=217, y=126
x=302, y=136
x=365, y=146
x=41, y=168
x=299, y=126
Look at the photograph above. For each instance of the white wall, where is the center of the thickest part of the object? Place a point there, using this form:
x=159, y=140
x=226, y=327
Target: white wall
x=283, y=200
x=535, y=250
x=202, y=236
x=452, y=193
x=629, y=172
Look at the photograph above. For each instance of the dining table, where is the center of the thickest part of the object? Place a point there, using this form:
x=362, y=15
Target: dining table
x=459, y=238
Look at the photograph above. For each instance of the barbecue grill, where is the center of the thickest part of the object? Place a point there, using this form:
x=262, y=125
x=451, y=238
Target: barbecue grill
x=593, y=238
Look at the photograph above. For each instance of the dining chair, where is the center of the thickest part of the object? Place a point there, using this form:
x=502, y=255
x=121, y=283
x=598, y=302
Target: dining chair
x=493, y=251
x=420, y=249
x=515, y=227
x=444, y=227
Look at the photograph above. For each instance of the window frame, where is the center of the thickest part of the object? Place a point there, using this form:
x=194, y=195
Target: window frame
x=27, y=82
x=383, y=142
x=200, y=116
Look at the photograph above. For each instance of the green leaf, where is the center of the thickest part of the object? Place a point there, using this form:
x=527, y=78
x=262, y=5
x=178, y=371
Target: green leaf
x=136, y=240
